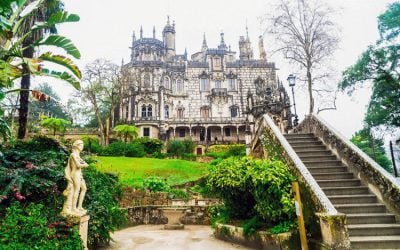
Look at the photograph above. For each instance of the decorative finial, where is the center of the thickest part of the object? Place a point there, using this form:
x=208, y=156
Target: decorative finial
x=154, y=31
x=133, y=36
x=168, y=21
x=204, y=46
x=141, y=31
x=173, y=23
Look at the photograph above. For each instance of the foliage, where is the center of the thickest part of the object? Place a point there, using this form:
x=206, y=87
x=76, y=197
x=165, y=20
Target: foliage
x=55, y=124
x=218, y=214
x=178, y=148
x=373, y=147
x=134, y=150
x=225, y=151
x=251, y=226
x=176, y=193
x=254, y=187
x=91, y=144
x=52, y=106
x=380, y=63
x=126, y=131
x=282, y=227
x=33, y=172
x=155, y=184
x=31, y=227
x=132, y=171
x=151, y=146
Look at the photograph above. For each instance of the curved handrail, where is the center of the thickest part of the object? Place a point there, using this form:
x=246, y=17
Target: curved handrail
x=325, y=203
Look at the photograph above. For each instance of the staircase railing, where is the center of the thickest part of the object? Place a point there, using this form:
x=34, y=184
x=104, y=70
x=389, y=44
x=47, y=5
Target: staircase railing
x=273, y=145
x=382, y=183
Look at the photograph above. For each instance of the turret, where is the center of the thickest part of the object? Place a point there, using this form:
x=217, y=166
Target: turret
x=222, y=44
x=246, y=52
x=169, y=40
x=204, y=47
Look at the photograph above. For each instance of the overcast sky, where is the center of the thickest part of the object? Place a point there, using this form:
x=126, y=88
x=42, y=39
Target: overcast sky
x=105, y=31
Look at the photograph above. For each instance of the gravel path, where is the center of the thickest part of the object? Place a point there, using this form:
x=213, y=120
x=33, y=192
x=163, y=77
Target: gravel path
x=153, y=237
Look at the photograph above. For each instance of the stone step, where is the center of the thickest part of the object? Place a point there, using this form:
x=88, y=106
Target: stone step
x=370, y=218
x=361, y=208
x=313, y=153
x=345, y=190
x=333, y=175
x=339, y=183
x=307, y=139
x=374, y=229
x=327, y=169
x=307, y=147
x=318, y=158
x=305, y=143
x=352, y=199
x=375, y=242
x=322, y=163
x=299, y=135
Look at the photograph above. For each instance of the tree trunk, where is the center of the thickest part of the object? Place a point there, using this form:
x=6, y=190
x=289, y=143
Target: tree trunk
x=310, y=93
x=101, y=129
x=24, y=98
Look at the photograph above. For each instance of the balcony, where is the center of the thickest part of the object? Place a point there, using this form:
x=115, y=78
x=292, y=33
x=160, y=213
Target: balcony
x=219, y=92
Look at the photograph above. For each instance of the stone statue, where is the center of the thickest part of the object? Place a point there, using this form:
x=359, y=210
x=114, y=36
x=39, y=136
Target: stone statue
x=76, y=189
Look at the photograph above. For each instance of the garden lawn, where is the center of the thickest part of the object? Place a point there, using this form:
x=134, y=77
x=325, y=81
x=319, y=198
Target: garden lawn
x=132, y=171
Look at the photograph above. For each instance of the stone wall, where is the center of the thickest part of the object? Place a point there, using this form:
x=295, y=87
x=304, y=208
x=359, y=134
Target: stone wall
x=151, y=214
x=137, y=197
x=383, y=184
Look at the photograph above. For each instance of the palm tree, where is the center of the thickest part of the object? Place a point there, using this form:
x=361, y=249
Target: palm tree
x=55, y=124
x=126, y=131
x=46, y=10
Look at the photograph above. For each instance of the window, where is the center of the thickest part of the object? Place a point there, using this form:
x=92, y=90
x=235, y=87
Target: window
x=227, y=131
x=182, y=132
x=204, y=112
x=167, y=84
x=146, y=132
x=144, y=111
x=179, y=86
x=180, y=113
x=204, y=84
x=166, y=112
x=234, y=111
x=149, y=111
x=231, y=84
x=218, y=84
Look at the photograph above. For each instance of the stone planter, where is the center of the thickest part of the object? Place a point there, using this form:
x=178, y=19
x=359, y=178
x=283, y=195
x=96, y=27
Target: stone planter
x=260, y=240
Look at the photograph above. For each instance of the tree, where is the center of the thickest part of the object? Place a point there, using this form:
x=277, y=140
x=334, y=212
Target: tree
x=126, y=131
x=380, y=64
x=23, y=31
x=373, y=147
x=52, y=106
x=102, y=88
x=55, y=124
x=307, y=37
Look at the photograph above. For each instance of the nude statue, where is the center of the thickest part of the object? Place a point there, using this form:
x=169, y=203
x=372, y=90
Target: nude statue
x=76, y=188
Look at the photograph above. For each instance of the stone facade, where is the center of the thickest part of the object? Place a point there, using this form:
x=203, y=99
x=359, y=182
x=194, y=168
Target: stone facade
x=206, y=98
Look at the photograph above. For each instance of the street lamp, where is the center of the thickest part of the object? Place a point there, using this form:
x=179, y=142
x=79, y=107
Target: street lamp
x=292, y=82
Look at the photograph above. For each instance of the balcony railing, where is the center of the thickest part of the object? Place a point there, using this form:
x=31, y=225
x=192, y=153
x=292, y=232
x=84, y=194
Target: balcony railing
x=191, y=119
x=219, y=91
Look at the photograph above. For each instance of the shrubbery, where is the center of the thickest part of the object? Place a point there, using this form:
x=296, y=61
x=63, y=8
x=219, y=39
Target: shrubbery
x=32, y=174
x=180, y=148
x=225, y=151
x=254, y=188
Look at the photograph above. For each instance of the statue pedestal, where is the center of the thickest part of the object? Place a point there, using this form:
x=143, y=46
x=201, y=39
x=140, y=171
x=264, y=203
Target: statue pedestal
x=173, y=215
x=83, y=229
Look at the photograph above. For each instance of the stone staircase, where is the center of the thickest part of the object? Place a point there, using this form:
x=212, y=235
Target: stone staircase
x=369, y=224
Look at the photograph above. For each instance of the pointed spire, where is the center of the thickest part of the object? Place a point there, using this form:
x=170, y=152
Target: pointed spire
x=168, y=21
x=154, y=31
x=185, y=54
x=222, y=44
x=133, y=37
x=204, y=46
x=141, y=31
x=247, y=31
x=122, y=62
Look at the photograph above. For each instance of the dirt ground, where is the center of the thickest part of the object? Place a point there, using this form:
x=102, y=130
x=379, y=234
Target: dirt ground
x=153, y=237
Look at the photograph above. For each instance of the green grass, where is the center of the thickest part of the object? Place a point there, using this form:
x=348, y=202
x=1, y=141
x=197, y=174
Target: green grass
x=131, y=171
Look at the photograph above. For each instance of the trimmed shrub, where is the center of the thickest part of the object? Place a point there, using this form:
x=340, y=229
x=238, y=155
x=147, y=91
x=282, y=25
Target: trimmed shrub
x=115, y=149
x=134, y=150
x=151, y=146
x=155, y=184
x=179, y=148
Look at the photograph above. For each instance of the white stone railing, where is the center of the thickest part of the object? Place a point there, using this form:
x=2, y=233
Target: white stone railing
x=385, y=185
x=293, y=161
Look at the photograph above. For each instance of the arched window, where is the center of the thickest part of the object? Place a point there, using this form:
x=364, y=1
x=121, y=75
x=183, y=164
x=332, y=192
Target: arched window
x=204, y=84
x=166, y=112
x=205, y=112
x=179, y=85
x=149, y=111
x=179, y=113
x=144, y=111
x=173, y=87
x=231, y=84
x=234, y=111
x=167, y=83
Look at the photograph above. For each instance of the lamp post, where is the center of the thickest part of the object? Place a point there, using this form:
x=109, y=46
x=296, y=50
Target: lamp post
x=292, y=82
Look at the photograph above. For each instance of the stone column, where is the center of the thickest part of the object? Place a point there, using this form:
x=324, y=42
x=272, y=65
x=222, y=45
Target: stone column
x=162, y=114
x=83, y=229
x=129, y=118
x=222, y=133
x=174, y=131
x=237, y=133
x=206, y=134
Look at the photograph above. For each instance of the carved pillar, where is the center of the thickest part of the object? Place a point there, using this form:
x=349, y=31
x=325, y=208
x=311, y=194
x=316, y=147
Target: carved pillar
x=237, y=133
x=129, y=118
x=222, y=133
x=206, y=134
x=174, y=131
x=162, y=115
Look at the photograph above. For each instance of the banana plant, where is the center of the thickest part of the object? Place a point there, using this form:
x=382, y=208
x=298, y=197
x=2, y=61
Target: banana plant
x=14, y=65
